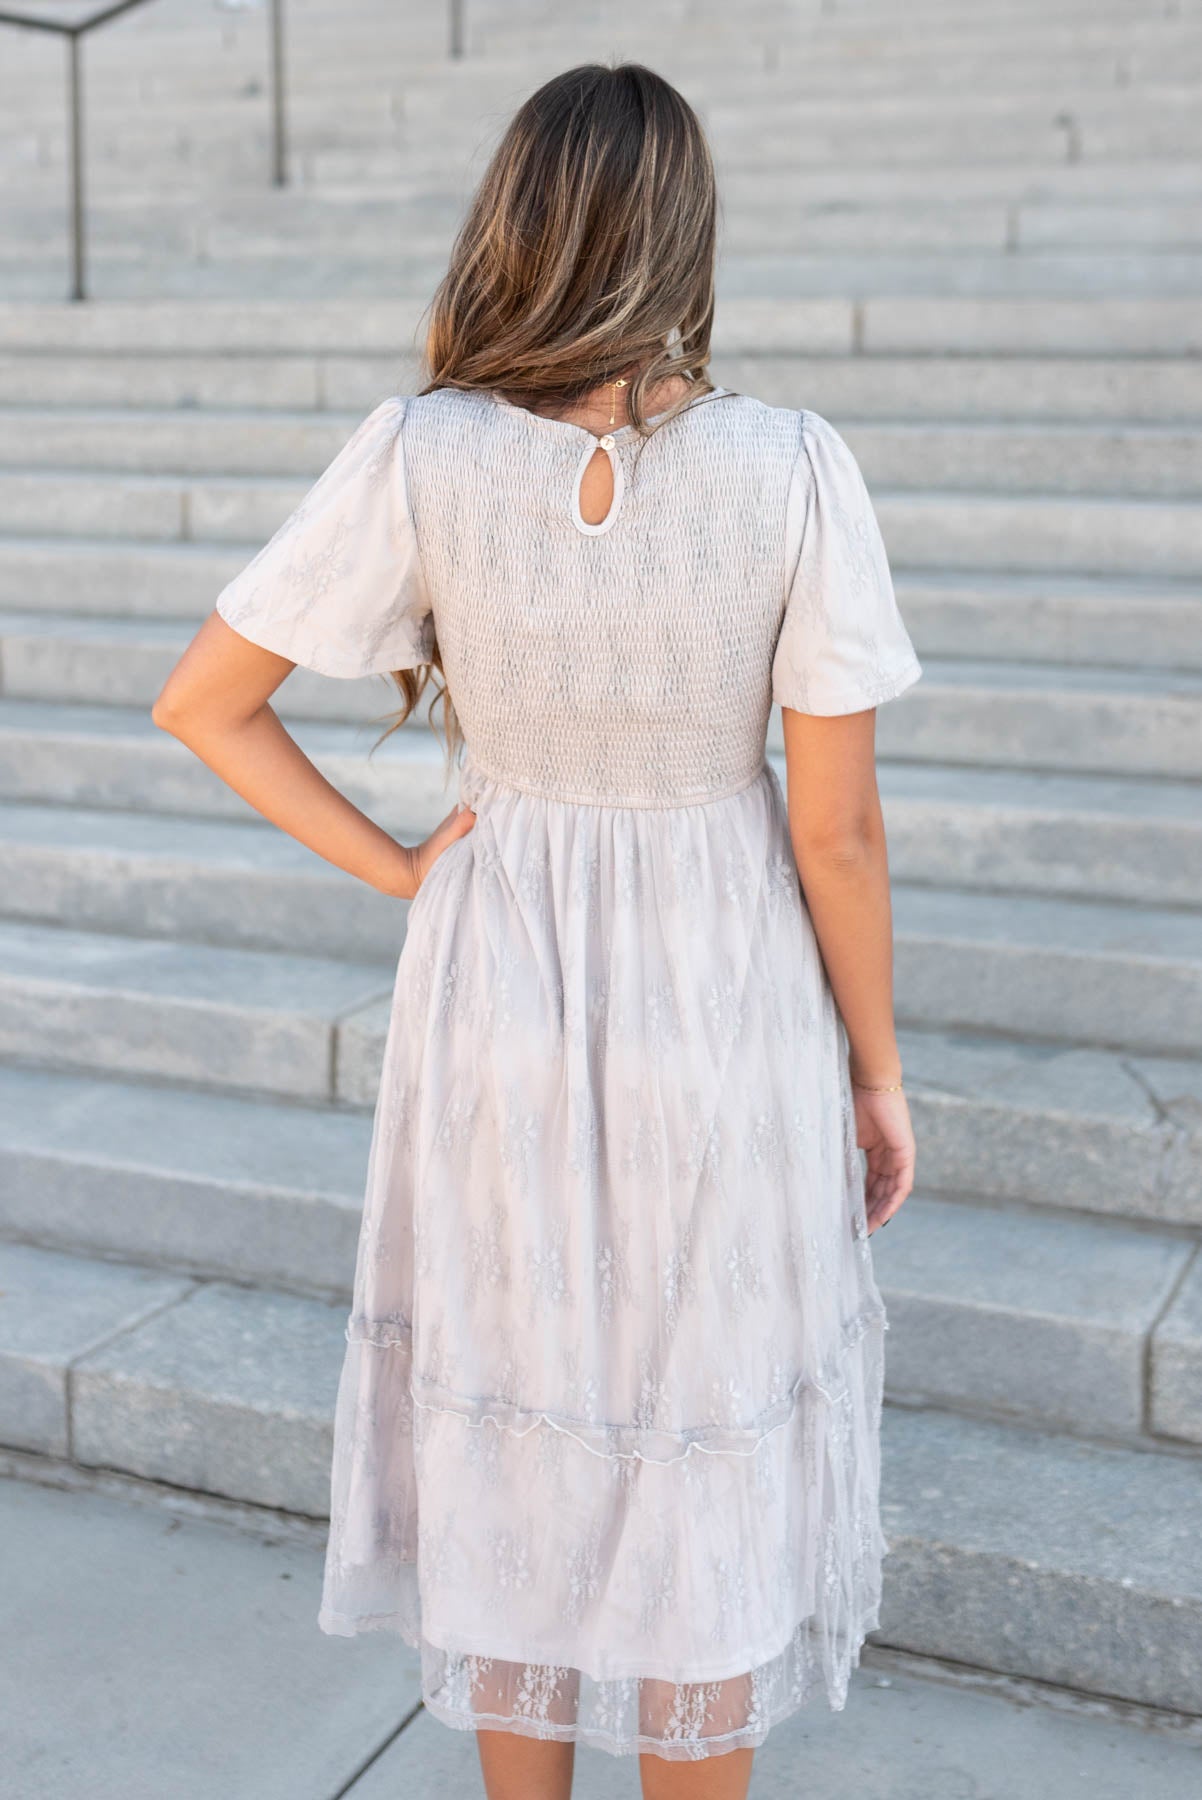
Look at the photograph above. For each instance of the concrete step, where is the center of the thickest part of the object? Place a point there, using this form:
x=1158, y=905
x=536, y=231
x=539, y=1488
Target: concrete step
x=1032, y=1316
x=1035, y=533
x=348, y=173
x=53, y=1310
x=269, y=383
x=943, y=323
x=1055, y=391
x=207, y=881
x=1042, y=1318
x=314, y=272
x=1084, y=621
x=211, y=1184
x=1116, y=391
x=1029, y=716
x=1045, y=716
x=237, y=1019
x=766, y=60
x=98, y=756
x=952, y=531
x=1064, y=1561
x=242, y=882
x=1009, y=123
x=1155, y=122
x=249, y=221
x=414, y=158
x=154, y=440
x=115, y=576
x=1175, y=1380
x=1060, y=972
x=1057, y=969
x=985, y=456
x=268, y=1191
x=125, y=661
x=1091, y=836
x=1063, y=1125
x=1043, y=456
x=231, y=1390
x=1129, y=977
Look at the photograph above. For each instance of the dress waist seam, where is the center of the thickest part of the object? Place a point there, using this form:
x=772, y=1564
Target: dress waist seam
x=474, y=772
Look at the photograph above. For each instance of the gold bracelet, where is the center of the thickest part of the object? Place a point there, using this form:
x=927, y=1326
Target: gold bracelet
x=865, y=1087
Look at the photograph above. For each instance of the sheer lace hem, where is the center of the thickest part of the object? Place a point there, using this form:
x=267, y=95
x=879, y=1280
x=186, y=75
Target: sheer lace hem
x=632, y=1715
x=640, y=1443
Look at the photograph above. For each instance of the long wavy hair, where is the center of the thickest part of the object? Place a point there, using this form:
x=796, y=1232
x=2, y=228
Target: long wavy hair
x=587, y=253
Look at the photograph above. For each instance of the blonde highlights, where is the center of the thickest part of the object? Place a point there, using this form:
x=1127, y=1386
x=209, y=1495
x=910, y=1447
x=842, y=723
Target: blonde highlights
x=587, y=254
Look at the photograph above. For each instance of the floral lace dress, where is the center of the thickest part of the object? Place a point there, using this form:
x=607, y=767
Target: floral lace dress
x=607, y=1432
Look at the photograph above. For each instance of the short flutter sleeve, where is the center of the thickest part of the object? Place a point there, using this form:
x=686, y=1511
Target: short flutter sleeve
x=842, y=646
x=339, y=588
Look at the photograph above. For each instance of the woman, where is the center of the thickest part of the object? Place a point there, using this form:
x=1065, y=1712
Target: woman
x=606, y=1440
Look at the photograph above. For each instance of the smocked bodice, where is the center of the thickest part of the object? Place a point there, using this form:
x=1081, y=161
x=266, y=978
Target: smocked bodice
x=627, y=663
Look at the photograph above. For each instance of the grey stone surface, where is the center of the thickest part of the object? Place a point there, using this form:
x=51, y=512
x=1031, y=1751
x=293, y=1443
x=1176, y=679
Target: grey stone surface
x=1036, y=532
x=1146, y=389
x=112, y=379
x=53, y=1309
x=1010, y=341
x=900, y=1737
x=212, y=1183
x=1041, y=1318
x=234, y=1018
x=948, y=323
x=1126, y=976
x=1104, y=324
x=1001, y=455
x=1056, y=1124
x=1093, y=836
x=1051, y=457
x=113, y=758
x=73, y=504
x=242, y=509
x=215, y=1680
x=1143, y=722
x=98, y=576
x=242, y=885
x=360, y=1053
x=207, y=440
x=161, y=1654
x=231, y=1393
x=1063, y=1560
x=1070, y=619
x=1176, y=1364
x=124, y=662
x=1067, y=1561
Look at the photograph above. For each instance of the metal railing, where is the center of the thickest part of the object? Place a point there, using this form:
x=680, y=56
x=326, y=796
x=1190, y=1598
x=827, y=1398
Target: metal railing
x=74, y=31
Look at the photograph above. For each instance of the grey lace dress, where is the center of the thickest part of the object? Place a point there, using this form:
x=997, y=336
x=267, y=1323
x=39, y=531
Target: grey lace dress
x=607, y=1432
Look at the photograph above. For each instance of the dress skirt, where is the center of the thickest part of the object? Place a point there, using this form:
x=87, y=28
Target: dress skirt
x=607, y=1431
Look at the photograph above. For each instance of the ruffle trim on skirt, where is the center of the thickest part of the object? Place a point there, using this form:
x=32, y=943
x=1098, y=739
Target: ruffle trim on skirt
x=637, y=1442
x=695, y=1642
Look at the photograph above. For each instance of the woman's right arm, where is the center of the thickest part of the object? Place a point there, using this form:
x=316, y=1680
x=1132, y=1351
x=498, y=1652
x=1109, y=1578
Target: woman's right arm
x=838, y=837
x=216, y=702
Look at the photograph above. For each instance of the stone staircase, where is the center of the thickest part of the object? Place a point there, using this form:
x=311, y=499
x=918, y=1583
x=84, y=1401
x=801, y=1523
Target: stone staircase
x=972, y=237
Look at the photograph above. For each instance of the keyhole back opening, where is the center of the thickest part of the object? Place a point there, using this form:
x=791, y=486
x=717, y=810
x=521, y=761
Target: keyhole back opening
x=599, y=483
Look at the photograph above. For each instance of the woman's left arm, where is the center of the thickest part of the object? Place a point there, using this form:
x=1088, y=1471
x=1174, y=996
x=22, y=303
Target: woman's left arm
x=216, y=702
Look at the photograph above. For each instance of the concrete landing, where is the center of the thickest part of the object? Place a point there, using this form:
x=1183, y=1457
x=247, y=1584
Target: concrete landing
x=157, y=1652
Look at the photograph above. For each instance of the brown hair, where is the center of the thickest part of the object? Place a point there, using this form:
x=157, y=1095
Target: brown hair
x=587, y=253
